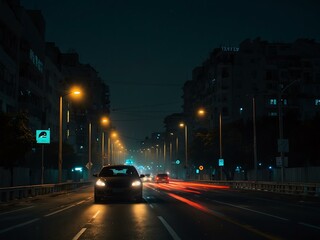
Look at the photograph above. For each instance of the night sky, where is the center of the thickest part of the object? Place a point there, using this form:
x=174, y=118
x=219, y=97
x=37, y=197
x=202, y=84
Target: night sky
x=146, y=49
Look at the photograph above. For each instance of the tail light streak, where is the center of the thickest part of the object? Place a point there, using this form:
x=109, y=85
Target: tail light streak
x=182, y=186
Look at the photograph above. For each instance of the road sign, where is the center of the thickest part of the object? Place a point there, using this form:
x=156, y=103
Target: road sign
x=43, y=136
x=221, y=162
x=89, y=165
x=178, y=162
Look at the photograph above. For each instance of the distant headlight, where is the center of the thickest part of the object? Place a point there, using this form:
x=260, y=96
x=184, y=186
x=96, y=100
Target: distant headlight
x=136, y=184
x=100, y=183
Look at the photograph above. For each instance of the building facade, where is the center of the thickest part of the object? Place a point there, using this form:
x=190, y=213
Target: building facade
x=266, y=73
x=34, y=74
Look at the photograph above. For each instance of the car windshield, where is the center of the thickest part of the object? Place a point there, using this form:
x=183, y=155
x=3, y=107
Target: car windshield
x=118, y=171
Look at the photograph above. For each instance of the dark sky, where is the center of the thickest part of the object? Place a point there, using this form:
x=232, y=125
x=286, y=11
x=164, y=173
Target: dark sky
x=146, y=49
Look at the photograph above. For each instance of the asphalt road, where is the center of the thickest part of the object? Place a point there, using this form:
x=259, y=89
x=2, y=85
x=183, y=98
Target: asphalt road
x=178, y=210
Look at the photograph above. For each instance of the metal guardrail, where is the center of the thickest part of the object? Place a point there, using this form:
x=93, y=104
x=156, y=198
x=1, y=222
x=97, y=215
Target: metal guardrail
x=8, y=194
x=305, y=189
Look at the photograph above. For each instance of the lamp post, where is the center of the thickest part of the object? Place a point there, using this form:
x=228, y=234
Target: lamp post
x=255, y=155
x=201, y=113
x=283, y=145
x=102, y=149
x=112, y=135
x=170, y=149
x=60, y=140
x=220, y=142
x=186, y=145
x=89, y=150
x=75, y=92
x=104, y=122
x=164, y=153
x=109, y=150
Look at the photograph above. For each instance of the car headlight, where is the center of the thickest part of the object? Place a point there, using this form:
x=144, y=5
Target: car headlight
x=136, y=184
x=100, y=183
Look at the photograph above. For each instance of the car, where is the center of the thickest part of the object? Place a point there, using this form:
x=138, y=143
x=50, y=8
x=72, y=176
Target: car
x=147, y=177
x=118, y=182
x=162, y=178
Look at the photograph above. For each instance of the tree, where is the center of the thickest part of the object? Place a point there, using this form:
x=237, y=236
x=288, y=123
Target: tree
x=16, y=140
x=70, y=158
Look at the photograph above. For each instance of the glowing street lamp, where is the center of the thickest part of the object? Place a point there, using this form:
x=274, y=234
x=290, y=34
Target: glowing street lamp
x=112, y=135
x=104, y=122
x=74, y=91
x=201, y=112
x=183, y=125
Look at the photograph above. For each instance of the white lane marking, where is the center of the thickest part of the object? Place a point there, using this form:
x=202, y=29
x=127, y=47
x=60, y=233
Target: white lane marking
x=309, y=225
x=50, y=214
x=94, y=216
x=80, y=202
x=170, y=230
x=19, y=225
x=76, y=237
x=17, y=210
x=248, y=209
x=73, y=205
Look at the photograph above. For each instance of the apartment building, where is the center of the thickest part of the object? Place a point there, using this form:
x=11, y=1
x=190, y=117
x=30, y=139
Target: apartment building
x=258, y=71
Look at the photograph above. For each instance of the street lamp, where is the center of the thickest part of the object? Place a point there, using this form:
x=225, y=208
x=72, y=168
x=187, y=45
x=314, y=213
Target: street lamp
x=255, y=155
x=74, y=92
x=282, y=143
x=183, y=125
x=112, y=135
x=220, y=143
x=104, y=122
x=89, y=150
x=202, y=112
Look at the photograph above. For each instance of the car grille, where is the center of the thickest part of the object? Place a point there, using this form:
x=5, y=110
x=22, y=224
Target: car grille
x=119, y=184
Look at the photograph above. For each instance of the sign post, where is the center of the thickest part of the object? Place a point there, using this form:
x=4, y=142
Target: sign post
x=42, y=137
x=221, y=164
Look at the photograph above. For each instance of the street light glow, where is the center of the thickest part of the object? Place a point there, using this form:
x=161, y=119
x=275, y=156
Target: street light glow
x=74, y=91
x=105, y=121
x=201, y=112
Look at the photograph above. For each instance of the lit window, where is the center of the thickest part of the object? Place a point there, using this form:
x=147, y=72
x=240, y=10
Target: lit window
x=68, y=116
x=317, y=102
x=273, y=114
x=241, y=110
x=273, y=101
